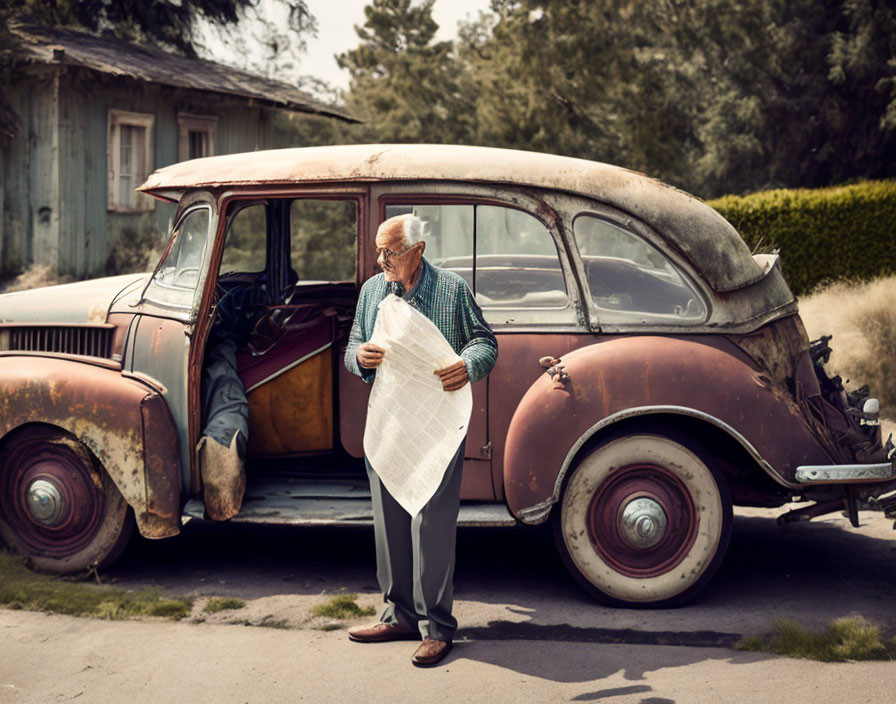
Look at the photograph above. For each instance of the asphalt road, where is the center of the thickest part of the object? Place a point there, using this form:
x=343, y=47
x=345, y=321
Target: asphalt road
x=527, y=630
x=62, y=659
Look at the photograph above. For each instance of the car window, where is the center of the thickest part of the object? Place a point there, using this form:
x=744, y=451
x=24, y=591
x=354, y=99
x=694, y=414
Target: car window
x=245, y=249
x=178, y=273
x=323, y=239
x=507, y=256
x=626, y=273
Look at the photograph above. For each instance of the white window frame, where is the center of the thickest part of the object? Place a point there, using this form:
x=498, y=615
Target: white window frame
x=187, y=123
x=117, y=119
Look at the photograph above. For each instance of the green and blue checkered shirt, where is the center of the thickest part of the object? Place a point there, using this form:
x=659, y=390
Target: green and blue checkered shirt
x=443, y=297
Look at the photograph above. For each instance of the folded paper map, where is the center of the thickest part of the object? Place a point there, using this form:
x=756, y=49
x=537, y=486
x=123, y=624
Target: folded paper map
x=414, y=427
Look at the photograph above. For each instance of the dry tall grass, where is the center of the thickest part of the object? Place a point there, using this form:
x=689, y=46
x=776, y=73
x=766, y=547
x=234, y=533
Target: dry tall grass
x=131, y=253
x=35, y=276
x=862, y=320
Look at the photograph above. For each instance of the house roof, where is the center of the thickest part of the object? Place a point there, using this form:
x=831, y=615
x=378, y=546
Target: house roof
x=115, y=57
x=704, y=236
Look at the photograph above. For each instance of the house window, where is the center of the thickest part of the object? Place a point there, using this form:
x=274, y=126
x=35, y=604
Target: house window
x=129, y=156
x=196, y=136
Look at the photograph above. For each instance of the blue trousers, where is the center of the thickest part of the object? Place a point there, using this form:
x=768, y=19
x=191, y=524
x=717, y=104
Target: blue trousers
x=415, y=555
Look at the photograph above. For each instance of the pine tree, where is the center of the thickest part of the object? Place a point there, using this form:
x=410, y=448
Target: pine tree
x=406, y=86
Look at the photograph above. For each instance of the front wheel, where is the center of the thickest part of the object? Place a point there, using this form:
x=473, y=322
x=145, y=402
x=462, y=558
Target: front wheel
x=644, y=521
x=58, y=506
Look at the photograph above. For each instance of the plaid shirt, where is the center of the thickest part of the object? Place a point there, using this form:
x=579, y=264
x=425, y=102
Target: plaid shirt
x=444, y=298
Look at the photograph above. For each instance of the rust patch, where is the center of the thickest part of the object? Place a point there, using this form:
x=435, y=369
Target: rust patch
x=155, y=527
x=776, y=348
x=86, y=458
x=162, y=467
x=98, y=407
x=97, y=313
x=556, y=371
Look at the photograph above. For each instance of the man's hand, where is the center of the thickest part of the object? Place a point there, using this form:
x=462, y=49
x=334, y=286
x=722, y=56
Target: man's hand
x=453, y=377
x=370, y=356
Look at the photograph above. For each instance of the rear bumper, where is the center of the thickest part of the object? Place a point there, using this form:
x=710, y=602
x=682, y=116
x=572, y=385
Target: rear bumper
x=846, y=473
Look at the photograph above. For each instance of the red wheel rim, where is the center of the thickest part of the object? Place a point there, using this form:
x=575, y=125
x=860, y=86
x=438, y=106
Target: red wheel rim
x=38, y=469
x=609, y=537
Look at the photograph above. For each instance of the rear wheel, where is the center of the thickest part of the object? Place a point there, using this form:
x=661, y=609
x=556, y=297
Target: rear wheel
x=58, y=505
x=644, y=520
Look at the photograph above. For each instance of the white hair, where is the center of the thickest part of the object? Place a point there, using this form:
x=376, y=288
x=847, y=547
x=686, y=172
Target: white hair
x=414, y=229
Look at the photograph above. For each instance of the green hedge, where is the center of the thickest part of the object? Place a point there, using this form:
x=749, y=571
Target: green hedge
x=825, y=234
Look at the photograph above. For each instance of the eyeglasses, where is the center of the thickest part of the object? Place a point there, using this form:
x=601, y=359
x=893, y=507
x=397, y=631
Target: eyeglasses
x=388, y=254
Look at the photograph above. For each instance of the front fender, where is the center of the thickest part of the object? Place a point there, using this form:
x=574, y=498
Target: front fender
x=126, y=424
x=628, y=376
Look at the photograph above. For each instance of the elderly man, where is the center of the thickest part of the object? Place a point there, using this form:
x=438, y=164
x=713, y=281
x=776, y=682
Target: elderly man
x=415, y=555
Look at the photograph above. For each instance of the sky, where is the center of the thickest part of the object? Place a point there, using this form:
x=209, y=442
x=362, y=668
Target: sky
x=336, y=20
x=242, y=45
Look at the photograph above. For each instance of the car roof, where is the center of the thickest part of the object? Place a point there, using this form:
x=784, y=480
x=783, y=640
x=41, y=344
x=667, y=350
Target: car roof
x=708, y=241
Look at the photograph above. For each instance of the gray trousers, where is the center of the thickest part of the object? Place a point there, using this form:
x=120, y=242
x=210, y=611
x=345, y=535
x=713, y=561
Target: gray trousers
x=415, y=556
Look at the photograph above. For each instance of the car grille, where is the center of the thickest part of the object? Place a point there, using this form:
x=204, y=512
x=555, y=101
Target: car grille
x=93, y=341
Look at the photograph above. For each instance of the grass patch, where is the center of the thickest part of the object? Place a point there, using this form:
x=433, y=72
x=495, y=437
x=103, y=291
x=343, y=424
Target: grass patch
x=342, y=606
x=851, y=638
x=270, y=622
x=217, y=604
x=20, y=588
x=267, y=622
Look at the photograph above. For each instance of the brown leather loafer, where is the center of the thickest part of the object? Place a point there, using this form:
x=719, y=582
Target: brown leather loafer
x=381, y=633
x=431, y=652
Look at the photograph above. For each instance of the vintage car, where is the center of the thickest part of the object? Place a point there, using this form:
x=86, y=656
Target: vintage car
x=651, y=371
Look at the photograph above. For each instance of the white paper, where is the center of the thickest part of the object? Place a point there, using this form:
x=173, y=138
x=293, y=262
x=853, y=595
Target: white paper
x=414, y=426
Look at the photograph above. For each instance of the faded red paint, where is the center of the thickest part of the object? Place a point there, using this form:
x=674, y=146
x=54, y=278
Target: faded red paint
x=516, y=371
x=708, y=375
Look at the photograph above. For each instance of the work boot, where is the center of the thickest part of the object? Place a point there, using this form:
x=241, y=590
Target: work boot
x=223, y=477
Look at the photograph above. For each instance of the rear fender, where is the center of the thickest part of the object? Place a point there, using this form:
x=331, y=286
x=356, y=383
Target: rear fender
x=625, y=377
x=124, y=422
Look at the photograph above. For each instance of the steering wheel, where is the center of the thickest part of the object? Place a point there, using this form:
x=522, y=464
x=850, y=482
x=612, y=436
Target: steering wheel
x=230, y=305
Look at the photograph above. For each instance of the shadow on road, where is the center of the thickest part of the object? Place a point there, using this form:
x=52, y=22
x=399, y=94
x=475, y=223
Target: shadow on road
x=570, y=662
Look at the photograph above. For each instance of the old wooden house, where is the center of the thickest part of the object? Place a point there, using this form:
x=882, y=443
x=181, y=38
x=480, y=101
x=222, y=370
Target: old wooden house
x=94, y=116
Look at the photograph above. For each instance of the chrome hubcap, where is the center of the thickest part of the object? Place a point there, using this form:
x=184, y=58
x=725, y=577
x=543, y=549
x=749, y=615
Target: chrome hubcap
x=643, y=523
x=44, y=502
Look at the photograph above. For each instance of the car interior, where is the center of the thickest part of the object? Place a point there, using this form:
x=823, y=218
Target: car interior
x=289, y=326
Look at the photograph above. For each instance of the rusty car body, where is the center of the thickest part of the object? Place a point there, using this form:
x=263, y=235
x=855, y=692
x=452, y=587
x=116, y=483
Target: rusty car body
x=651, y=373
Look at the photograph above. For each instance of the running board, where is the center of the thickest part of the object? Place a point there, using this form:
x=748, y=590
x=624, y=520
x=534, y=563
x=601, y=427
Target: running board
x=335, y=511
x=844, y=473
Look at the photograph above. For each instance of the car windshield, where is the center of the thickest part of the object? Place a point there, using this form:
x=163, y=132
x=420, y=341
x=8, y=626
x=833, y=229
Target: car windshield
x=177, y=275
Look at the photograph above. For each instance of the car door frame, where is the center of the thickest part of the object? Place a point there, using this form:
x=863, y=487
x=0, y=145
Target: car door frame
x=277, y=265
x=173, y=328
